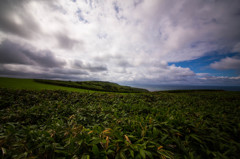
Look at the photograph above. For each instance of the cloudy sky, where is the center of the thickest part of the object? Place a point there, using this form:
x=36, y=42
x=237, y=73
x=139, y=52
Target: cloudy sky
x=126, y=41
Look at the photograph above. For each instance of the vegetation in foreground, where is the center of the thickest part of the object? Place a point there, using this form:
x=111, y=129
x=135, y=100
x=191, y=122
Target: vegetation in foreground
x=60, y=124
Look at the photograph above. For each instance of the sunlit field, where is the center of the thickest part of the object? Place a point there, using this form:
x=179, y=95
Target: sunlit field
x=30, y=84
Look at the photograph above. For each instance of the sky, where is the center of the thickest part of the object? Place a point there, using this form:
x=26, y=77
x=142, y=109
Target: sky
x=187, y=42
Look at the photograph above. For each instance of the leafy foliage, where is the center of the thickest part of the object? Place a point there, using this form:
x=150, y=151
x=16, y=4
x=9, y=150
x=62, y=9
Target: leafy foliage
x=60, y=124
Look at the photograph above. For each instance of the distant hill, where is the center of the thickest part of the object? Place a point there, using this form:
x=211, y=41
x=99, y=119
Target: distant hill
x=94, y=85
x=30, y=84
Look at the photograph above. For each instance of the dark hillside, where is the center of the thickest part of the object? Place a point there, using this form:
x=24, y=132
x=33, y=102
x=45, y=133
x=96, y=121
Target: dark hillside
x=94, y=85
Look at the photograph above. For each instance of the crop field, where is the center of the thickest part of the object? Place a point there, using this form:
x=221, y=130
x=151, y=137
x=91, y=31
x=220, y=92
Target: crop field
x=61, y=124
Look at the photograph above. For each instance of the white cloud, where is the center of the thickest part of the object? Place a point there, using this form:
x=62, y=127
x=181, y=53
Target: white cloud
x=219, y=80
x=226, y=64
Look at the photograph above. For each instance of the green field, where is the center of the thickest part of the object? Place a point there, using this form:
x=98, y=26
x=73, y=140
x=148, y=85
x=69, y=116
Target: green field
x=64, y=124
x=86, y=86
x=30, y=84
x=103, y=86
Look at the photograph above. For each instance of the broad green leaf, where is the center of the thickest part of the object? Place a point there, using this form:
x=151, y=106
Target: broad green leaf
x=95, y=150
x=149, y=154
x=196, y=138
x=142, y=153
x=155, y=132
x=122, y=155
x=165, y=153
x=85, y=156
x=131, y=153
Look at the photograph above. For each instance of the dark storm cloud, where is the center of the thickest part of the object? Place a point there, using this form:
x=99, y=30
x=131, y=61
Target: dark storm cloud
x=70, y=71
x=12, y=53
x=89, y=67
x=46, y=75
x=124, y=63
x=66, y=42
x=15, y=19
x=118, y=60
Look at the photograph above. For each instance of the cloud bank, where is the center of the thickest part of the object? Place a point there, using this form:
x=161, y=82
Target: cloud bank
x=132, y=41
x=227, y=64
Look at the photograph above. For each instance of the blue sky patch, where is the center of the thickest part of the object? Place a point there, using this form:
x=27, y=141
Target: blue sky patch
x=202, y=65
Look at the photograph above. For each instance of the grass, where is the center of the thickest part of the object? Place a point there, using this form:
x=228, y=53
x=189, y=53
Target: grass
x=86, y=86
x=94, y=85
x=30, y=84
